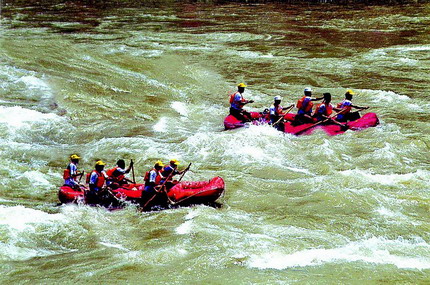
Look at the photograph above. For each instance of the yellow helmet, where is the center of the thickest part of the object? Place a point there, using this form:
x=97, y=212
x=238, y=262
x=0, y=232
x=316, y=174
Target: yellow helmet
x=349, y=91
x=99, y=162
x=74, y=156
x=241, y=85
x=174, y=161
x=159, y=163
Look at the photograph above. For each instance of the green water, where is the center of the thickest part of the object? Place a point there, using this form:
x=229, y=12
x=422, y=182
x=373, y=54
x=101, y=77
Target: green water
x=149, y=82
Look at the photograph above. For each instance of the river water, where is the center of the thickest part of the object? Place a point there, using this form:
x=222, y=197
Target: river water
x=149, y=82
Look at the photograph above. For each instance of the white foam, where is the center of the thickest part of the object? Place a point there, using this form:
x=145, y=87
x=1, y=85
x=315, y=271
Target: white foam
x=374, y=250
x=388, y=96
x=20, y=223
x=21, y=218
x=112, y=245
x=185, y=228
x=34, y=82
x=161, y=125
x=180, y=107
x=18, y=117
x=251, y=54
x=384, y=179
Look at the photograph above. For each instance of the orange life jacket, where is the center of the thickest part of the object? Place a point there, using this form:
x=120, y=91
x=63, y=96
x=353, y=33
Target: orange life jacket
x=157, y=179
x=278, y=110
x=110, y=173
x=346, y=108
x=328, y=109
x=100, y=178
x=242, y=100
x=305, y=106
x=66, y=174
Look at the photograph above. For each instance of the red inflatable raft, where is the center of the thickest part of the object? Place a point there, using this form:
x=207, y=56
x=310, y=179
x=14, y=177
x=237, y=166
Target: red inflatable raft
x=70, y=195
x=331, y=128
x=197, y=192
x=368, y=120
x=230, y=122
x=183, y=193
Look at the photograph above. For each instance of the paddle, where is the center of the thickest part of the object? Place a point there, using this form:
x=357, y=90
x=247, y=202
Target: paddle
x=323, y=121
x=310, y=127
x=158, y=191
x=282, y=117
x=80, y=176
x=81, y=186
x=132, y=171
x=185, y=171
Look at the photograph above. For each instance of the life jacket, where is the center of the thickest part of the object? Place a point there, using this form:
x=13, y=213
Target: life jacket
x=147, y=176
x=100, y=178
x=167, y=171
x=305, y=104
x=344, y=104
x=110, y=173
x=278, y=110
x=66, y=174
x=328, y=110
x=232, y=98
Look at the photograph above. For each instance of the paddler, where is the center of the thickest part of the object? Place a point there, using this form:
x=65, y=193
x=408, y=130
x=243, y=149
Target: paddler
x=324, y=109
x=170, y=170
x=237, y=102
x=276, y=112
x=344, y=108
x=117, y=174
x=96, y=181
x=71, y=173
x=153, y=178
x=304, y=106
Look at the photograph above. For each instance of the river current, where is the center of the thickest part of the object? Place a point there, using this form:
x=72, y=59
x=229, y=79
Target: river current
x=149, y=82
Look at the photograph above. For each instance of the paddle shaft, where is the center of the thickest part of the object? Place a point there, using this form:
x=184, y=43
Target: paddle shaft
x=132, y=172
x=282, y=117
x=185, y=171
x=161, y=188
x=320, y=122
x=310, y=127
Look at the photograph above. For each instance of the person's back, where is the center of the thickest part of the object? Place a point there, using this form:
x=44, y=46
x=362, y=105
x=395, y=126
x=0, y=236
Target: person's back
x=153, y=177
x=344, y=108
x=71, y=172
x=237, y=102
x=117, y=174
x=276, y=110
x=324, y=109
x=96, y=181
x=304, y=106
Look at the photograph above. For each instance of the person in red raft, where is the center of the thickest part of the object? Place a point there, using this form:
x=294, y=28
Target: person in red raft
x=323, y=110
x=344, y=108
x=96, y=180
x=237, y=102
x=304, y=106
x=71, y=173
x=152, y=180
x=117, y=174
x=277, y=113
x=170, y=170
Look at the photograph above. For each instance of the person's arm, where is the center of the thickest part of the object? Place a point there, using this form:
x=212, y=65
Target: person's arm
x=360, y=108
x=286, y=108
x=317, y=99
x=93, y=180
x=129, y=167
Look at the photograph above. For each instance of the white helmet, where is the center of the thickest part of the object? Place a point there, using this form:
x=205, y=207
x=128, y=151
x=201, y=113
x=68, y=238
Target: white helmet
x=277, y=98
x=308, y=89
